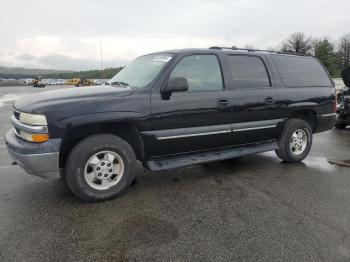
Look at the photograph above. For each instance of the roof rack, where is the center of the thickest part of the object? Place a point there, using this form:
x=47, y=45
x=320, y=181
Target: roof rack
x=255, y=50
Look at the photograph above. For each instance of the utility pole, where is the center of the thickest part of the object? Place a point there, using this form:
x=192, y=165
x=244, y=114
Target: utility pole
x=101, y=57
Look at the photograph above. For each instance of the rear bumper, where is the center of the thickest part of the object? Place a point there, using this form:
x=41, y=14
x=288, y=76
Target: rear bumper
x=325, y=122
x=40, y=159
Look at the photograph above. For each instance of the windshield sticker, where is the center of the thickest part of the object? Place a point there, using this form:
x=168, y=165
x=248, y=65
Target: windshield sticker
x=162, y=58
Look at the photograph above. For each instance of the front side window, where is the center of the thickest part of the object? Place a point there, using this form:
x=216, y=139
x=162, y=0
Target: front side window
x=141, y=71
x=202, y=72
x=248, y=72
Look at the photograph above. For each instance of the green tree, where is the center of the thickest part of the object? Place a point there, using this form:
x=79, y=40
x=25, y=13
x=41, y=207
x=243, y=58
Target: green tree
x=325, y=52
x=344, y=50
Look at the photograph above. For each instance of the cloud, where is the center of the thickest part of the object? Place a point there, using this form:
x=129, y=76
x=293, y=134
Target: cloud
x=65, y=62
x=25, y=57
x=72, y=30
x=68, y=63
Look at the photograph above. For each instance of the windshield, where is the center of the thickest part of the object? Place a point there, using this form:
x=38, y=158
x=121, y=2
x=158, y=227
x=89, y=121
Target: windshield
x=141, y=71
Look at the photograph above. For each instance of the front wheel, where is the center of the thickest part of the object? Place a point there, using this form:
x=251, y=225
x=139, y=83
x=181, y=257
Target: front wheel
x=101, y=167
x=295, y=142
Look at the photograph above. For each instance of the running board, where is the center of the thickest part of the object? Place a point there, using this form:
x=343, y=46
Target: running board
x=172, y=162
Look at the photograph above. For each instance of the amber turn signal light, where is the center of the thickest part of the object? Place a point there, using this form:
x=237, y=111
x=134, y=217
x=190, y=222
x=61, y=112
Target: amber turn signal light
x=40, y=137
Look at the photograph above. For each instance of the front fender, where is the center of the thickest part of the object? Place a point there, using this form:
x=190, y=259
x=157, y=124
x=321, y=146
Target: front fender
x=60, y=127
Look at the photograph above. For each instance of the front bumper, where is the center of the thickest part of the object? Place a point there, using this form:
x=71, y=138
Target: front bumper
x=40, y=159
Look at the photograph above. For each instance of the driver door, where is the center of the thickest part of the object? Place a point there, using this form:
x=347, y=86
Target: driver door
x=197, y=119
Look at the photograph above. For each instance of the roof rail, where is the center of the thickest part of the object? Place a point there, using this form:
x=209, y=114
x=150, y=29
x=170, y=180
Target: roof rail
x=255, y=50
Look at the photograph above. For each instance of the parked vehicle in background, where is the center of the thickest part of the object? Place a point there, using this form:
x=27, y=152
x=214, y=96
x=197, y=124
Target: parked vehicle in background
x=343, y=97
x=38, y=82
x=79, y=81
x=28, y=81
x=343, y=110
x=172, y=109
x=101, y=81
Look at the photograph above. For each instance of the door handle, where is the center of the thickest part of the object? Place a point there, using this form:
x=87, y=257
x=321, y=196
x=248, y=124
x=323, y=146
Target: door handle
x=268, y=100
x=223, y=103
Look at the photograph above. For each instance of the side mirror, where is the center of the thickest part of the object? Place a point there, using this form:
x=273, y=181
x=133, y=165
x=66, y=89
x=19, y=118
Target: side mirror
x=175, y=84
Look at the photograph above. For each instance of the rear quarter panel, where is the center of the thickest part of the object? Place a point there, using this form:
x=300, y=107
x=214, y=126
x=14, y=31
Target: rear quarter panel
x=319, y=99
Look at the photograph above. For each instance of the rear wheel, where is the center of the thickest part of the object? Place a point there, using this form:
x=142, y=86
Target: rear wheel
x=101, y=167
x=295, y=142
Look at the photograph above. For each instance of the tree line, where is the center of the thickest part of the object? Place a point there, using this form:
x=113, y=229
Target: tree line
x=91, y=74
x=335, y=55
x=106, y=73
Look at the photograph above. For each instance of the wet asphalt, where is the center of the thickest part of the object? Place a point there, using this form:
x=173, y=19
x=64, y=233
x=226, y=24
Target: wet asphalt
x=255, y=208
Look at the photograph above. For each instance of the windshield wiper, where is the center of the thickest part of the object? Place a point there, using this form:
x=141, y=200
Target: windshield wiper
x=119, y=83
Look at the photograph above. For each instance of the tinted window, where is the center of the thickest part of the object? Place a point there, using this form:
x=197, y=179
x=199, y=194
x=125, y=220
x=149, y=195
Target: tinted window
x=202, y=72
x=301, y=71
x=248, y=72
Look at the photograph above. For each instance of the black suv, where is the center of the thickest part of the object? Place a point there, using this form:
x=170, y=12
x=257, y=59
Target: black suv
x=171, y=109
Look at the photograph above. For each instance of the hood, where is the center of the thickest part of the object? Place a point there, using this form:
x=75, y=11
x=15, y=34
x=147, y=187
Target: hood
x=36, y=101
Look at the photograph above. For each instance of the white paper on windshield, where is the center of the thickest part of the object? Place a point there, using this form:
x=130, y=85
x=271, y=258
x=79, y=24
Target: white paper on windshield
x=162, y=58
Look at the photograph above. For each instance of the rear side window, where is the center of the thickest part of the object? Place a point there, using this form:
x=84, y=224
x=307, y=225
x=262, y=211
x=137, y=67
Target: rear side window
x=301, y=71
x=248, y=72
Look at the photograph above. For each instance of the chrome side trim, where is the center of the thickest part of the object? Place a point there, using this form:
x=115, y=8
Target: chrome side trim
x=191, y=135
x=190, y=131
x=331, y=114
x=254, y=128
x=213, y=130
x=243, y=126
x=28, y=128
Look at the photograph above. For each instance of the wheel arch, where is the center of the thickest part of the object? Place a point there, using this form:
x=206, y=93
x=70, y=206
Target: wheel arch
x=309, y=115
x=124, y=130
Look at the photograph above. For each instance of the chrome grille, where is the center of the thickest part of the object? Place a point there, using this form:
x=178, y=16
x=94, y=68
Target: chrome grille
x=16, y=114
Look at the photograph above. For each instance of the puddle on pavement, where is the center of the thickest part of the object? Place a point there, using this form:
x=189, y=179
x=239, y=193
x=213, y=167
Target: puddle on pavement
x=8, y=98
x=320, y=163
x=142, y=231
x=345, y=163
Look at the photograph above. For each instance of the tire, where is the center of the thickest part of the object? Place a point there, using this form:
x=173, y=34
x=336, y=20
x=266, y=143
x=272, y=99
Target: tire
x=340, y=126
x=294, y=152
x=92, y=154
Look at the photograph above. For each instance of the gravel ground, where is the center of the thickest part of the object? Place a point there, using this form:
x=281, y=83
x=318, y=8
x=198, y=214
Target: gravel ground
x=255, y=208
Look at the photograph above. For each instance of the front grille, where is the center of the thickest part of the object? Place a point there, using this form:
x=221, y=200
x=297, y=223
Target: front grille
x=17, y=132
x=16, y=114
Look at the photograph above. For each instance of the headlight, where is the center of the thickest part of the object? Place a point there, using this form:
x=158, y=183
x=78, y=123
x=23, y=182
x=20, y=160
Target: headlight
x=31, y=119
x=31, y=127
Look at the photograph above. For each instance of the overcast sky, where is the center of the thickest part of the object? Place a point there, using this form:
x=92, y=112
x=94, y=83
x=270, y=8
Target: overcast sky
x=66, y=34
